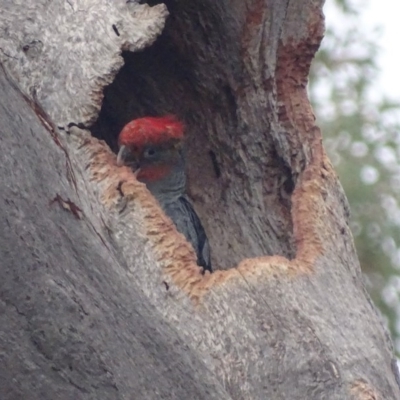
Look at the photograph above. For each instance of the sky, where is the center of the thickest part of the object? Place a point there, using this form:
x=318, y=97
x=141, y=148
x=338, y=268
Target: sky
x=382, y=16
x=385, y=14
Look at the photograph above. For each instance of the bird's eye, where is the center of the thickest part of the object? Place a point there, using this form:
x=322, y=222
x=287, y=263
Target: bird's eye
x=150, y=152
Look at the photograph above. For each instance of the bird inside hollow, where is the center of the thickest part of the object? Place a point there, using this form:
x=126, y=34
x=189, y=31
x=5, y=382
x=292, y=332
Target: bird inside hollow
x=154, y=148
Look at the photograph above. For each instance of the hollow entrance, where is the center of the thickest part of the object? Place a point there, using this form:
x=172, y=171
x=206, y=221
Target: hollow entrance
x=238, y=185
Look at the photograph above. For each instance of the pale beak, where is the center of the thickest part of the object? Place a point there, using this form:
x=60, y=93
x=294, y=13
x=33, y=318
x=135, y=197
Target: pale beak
x=126, y=157
x=122, y=155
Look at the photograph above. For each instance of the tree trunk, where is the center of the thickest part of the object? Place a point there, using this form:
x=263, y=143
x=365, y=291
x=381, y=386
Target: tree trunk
x=100, y=297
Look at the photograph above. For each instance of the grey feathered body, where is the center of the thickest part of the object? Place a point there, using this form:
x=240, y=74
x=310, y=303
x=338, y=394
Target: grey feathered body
x=171, y=194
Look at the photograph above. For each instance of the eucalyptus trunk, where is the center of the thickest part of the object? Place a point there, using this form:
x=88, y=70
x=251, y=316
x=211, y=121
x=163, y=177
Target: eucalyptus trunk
x=100, y=296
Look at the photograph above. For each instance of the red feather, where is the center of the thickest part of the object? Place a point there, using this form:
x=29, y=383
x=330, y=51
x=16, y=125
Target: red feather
x=153, y=173
x=151, y=130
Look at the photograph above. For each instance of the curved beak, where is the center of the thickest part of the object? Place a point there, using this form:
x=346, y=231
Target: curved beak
x=126, y=157
x=123, y=154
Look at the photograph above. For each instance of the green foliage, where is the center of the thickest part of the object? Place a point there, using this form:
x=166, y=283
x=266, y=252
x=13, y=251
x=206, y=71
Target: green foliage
x=361, y=135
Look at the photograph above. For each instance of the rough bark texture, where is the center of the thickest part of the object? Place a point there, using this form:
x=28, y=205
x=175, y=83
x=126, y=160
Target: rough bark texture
x=100, y=296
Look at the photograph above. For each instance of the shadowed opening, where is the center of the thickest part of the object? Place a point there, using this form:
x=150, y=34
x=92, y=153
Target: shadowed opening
x=240, y=188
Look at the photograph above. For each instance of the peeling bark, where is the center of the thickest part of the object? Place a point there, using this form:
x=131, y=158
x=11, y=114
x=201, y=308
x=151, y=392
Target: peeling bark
x=101, y=297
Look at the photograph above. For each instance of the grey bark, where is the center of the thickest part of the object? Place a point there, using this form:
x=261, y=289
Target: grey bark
x=100, y=296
